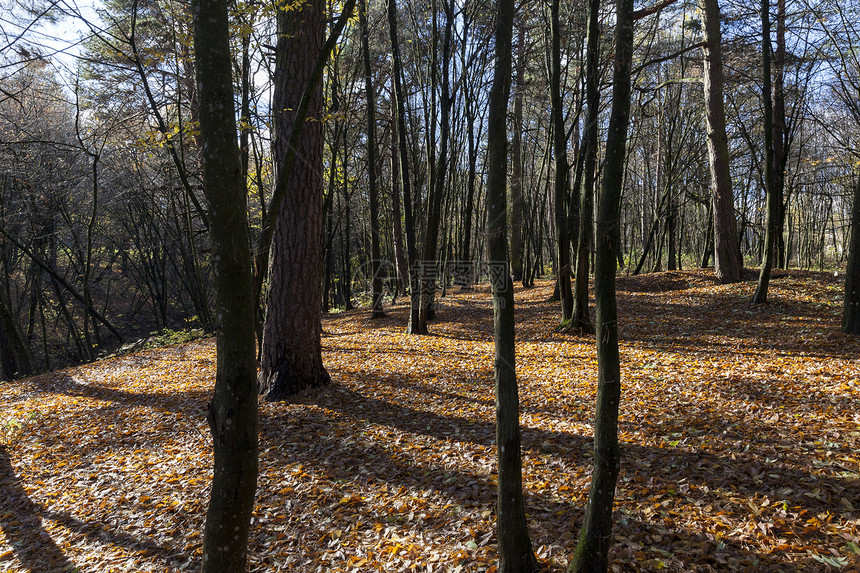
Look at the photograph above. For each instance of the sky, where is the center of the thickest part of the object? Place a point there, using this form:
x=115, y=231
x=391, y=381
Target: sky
x=59, y=42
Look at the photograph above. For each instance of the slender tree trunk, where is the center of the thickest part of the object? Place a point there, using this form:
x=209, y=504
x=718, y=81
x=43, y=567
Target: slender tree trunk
x=780, y=151
x=727, y=263
x=709, y=238
x=773, y=202
x=431, y=240
x=851, y=305
x=346, y=257
x=291, y=352
x=402, y=265
x=581, y=320
x=594, y=540
x=232, y=413
x=414, y=326
x=372, y=192
x=515, y=547
x=560, y=185
x=671, y=234
x=517, y=159
x=469, y=207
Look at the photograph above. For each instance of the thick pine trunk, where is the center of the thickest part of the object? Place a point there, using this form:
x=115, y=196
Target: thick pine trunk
x=726, y=260
x=515, y=548
x=594, y=540
x=291, y=357
x=232, y=413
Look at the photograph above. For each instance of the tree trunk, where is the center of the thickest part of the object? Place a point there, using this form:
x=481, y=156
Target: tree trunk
x=400, y=261
x=851, y=305
x=414, y=326
x=14, y=351
x=581, y=321
x=726, y=260
x=232, y=413
x=291, y=352
x=773, y=202
x=780, y=146
x=517, y=159
x=434, y=219
x=515, y=547
x=372, y=192
x=594, y=539
x=560, y=185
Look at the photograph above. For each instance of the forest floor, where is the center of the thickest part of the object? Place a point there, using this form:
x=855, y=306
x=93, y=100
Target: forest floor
x=740, y=436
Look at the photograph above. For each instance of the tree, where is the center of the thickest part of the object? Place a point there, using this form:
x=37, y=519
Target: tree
x=377, y=311
x=580, y=320
x=773, y=200
x=515, y=548
x=560, y=184
x=726, y=262
x=291, y=357
x=594, y=537
x=232, y=413
x=415, y=326
x=851, y=304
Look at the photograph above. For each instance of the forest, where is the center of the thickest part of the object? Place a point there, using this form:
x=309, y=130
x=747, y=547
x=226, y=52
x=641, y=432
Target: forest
x=453, y=285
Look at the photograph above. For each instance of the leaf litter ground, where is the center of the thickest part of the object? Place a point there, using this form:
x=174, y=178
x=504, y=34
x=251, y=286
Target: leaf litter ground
x=740, y=429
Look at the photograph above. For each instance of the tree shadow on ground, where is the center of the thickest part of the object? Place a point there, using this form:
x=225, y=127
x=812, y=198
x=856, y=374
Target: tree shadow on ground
x=21, y=523
x=713, y=477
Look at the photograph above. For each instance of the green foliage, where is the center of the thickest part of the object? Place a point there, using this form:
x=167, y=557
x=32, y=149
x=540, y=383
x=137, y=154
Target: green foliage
x=166, y=337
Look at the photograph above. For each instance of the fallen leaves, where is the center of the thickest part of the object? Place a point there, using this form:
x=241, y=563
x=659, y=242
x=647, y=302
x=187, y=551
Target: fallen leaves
x=739, y=426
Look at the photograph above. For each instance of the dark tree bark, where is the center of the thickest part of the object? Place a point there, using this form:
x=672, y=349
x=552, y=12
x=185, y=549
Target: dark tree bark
x=726, y=260
x=580, y=320
x=560, y=185
x=851, y=305
x=400, y=259
x=780, y=135
x=773, y=201
x=291, y=357
x=414, y=326
x=15, y=354
x=515, y=548
x=594, y=539
x=517, y=159
x=372, y=192
x=232, y=413
x=431, y=239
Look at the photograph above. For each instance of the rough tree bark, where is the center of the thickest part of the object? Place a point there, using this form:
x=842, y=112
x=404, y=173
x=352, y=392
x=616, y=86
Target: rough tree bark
x=291, y=357
x=594, y=538
x=515, y=547
x=232, y=413
x=727, y=263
